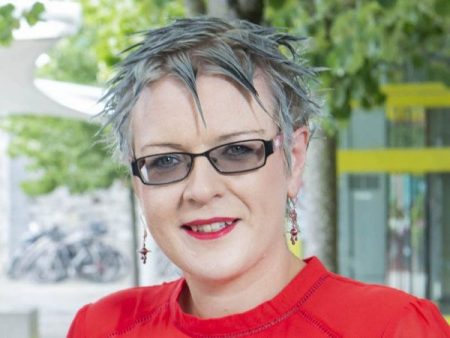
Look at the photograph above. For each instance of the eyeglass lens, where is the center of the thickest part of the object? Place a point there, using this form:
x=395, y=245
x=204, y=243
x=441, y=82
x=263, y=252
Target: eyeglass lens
x=229, y=158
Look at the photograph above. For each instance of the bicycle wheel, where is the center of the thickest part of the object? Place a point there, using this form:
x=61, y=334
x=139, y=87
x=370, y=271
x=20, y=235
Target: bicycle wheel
x=106, y=264
x=49, y=268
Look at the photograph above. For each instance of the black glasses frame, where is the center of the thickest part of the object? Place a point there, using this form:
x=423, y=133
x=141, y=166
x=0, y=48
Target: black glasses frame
x=268, y=150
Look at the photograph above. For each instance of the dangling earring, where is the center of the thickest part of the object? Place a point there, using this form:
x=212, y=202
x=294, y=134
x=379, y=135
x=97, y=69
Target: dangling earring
x=292, y=213
x=144, y=251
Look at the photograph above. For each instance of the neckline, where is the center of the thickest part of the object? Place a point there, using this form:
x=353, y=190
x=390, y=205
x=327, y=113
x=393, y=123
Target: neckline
x=272, y=311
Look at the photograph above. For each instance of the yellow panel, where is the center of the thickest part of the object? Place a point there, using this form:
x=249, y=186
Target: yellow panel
x=394, y=160
x=296, y=249
x=413, y=89
x=447, y=318
x=426, y=94
x=431, y=101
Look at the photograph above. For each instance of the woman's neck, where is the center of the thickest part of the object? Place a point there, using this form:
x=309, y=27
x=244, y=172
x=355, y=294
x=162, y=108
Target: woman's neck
x=262, y=282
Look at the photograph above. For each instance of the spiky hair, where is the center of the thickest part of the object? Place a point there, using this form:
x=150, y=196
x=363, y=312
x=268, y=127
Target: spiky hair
x=235, y=49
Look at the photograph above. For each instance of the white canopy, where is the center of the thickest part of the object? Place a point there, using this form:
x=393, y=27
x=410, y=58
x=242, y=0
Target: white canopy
x=20, y=92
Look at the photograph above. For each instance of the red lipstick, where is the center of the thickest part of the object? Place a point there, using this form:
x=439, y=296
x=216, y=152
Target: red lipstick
x=190, y=226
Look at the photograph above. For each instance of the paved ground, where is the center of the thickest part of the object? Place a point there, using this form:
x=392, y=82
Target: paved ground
x=56, y=303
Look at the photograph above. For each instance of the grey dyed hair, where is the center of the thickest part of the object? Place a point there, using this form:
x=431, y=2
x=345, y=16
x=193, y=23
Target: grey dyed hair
x=235, y=49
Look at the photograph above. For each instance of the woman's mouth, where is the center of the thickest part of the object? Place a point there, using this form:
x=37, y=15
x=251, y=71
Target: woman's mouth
x=211, y=228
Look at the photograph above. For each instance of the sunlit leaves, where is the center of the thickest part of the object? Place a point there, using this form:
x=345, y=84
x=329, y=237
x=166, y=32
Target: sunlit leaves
x=61, y=152
x=367, y=43
x=109, y=26
x=72, y=60
x=113, y=24
x=10, y=19
x=8, y=22
x=34, y=14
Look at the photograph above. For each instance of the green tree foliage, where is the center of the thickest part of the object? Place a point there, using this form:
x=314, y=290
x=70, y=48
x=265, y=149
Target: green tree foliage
x=362, y=43
x=61, y=152
x=10, y=19
x=72, y=60
x=109, y=27
x=367, y=43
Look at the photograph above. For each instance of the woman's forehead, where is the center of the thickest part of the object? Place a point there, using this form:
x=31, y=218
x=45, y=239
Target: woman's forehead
x=167, y=107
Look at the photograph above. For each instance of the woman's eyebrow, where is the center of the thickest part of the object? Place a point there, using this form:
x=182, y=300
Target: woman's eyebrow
x=176, y=146
x=221, y=138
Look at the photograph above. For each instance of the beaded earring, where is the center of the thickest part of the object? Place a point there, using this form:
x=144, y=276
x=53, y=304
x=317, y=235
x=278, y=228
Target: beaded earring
x=292, y=214
x=144, y=251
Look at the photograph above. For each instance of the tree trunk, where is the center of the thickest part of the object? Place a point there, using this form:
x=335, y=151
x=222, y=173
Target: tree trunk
x=319, y=196
x=195, y=7
x=250, y=10
x=221, y=9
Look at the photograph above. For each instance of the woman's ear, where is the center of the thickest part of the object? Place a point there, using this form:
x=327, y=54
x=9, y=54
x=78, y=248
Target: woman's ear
x=299, y=146
x=137, y=187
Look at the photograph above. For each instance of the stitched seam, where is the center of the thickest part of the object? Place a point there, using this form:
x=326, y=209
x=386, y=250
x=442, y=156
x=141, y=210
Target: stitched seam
x=139, y=321
x=274, y=322
x=319, y=324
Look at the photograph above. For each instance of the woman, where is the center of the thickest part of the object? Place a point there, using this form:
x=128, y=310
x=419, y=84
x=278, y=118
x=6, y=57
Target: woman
x=213, y=120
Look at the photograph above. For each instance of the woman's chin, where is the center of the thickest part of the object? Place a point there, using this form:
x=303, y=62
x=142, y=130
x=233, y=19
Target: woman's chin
x=216, y=270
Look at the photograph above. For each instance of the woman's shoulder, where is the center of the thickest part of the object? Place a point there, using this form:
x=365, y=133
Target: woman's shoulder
x=122, y=309
x=359, y=292
x=355, y=307
x=341, y=291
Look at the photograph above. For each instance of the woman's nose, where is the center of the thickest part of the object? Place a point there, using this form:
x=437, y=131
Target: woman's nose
x=203, y=183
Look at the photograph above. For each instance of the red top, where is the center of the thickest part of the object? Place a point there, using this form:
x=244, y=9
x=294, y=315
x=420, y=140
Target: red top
x=316, y=303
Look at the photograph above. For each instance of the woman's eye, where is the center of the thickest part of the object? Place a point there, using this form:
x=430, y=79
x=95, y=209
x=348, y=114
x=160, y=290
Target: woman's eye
x=164, y=162
x=238, y=149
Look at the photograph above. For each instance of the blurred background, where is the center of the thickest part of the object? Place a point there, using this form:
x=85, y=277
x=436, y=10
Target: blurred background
x=375, y=203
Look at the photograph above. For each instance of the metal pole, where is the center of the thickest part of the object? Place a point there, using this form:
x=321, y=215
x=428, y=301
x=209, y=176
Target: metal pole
x=134, y=240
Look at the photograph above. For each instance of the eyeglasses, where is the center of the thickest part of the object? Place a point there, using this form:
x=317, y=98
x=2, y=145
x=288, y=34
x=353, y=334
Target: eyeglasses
x=229, y=158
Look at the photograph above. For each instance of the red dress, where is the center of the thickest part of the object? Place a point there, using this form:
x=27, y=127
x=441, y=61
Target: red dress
x=316, y=303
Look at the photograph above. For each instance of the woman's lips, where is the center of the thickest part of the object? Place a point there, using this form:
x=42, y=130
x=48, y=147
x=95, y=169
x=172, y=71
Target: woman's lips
x=207, y=229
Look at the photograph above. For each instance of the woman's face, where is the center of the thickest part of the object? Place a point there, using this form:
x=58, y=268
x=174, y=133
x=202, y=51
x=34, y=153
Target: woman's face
x=252, y=204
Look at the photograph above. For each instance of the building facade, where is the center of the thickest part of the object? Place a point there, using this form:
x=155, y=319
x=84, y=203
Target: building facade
x=394, y=192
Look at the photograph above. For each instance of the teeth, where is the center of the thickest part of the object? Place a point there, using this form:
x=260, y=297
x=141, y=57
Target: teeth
x=213, y=227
